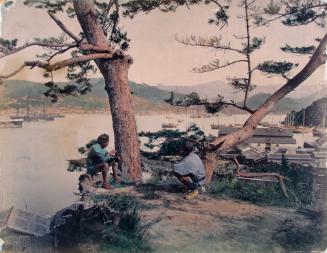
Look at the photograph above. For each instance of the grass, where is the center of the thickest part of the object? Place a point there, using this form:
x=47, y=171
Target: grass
x=293, y=235
x=128, y=236
x=299, y=184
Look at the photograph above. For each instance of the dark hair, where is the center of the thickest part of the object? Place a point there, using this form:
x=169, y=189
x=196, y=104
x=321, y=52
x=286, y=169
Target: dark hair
x=187, y=148
x=103, y=138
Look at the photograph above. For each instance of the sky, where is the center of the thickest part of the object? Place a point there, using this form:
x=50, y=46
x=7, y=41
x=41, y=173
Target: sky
x=158, y=57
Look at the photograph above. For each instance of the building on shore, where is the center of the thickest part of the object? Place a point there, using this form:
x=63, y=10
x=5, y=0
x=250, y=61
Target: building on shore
x=267, y=139
x=303, y=159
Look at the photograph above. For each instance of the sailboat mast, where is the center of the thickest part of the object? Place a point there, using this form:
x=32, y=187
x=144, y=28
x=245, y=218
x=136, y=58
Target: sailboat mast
x=43, y=109
x=17, y=109
x=27, y=107
x=323, y=123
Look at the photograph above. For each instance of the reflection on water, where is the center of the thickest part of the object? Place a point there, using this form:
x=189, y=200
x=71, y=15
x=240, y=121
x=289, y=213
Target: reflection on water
x=33, y=159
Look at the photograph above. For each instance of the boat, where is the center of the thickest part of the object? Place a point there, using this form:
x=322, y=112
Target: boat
x=205, y=116
x=11, y=123
x=215, y=126
x=58, y=115
x=30, y=117
x=168, y=125
x=265, y=124
x=317, y=132
x=302, y=130
x=195, y=116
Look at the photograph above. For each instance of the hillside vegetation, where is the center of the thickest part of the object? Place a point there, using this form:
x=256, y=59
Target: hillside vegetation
x=312, y=115
x=145, y=97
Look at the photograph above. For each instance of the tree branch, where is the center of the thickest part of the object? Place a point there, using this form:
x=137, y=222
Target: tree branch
x=64, y=28
x=214, y=66
x=248, y=52
x=243, y=108
x=27, y=45
x=58, y=65
x=213, y=42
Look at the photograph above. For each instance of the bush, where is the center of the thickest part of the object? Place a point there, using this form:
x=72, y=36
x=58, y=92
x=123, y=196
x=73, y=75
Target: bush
x=299, y=185
x=113, y=222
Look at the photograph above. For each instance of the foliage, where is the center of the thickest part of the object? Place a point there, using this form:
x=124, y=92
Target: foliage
x=255, y=44
x=273, y=67
x=305, y=237
x=299, y=184
x=241, y=84
x=169, y=142
x=7, y=45
x=114, y=222
x=193, y=98
x=132, y=7
x=298, y=50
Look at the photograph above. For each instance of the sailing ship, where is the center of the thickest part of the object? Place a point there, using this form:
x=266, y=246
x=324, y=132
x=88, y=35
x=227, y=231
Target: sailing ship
x=168, y=125
x=11, y=123
x=216, y=125
x=29, y=117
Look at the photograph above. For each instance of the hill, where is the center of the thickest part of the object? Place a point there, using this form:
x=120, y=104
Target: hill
x=314, y=114
x=287, y=104
x=284, y=105
x=212, y=89
x=145, y=97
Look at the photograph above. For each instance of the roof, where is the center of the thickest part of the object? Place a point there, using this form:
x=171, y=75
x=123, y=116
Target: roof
x=250, y=153
x=305, y=150
x=320, y=154
x=322, y=141
x=272, y=140
x=259, y=132
x=290, y=157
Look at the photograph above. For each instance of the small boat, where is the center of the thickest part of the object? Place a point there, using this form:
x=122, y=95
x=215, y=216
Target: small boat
x=46, y=117
x=265, y=124
x=58, y=115
x=168, y=125
x=317, y=132
x=195, y=116
x=216, y=126
x=11, y=123
x=300, y=130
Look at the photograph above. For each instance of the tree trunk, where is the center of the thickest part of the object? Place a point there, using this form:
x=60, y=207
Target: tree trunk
x=119, y=94
x=115, y=73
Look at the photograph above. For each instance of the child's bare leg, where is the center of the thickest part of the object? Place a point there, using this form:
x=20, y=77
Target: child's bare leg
x=104, y=168
x=114, y=167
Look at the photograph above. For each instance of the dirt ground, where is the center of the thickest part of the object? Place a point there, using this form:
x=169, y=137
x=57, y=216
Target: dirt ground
x=209, y=224
x=205, y=224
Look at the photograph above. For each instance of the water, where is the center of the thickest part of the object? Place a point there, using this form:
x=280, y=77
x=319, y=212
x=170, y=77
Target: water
x=33, y=159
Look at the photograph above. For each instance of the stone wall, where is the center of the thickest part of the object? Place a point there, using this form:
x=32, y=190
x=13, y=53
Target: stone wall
x=320, y=188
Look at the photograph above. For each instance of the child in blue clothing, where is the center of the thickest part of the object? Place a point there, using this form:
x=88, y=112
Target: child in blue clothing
x=99, y=160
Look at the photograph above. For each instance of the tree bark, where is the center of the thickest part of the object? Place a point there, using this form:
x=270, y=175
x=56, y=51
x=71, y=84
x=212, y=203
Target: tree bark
x=115, y=73
x=228, y=141
x=126, y=140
